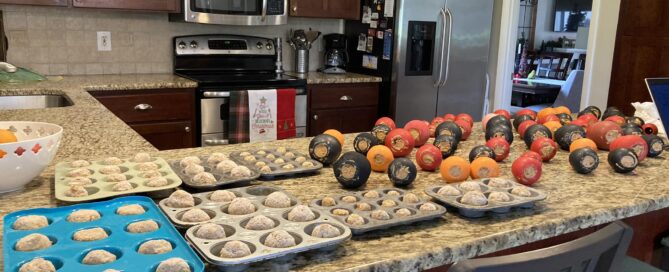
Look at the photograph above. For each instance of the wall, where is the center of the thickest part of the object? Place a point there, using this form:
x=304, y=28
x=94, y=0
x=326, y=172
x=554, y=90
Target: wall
x=544, y=29
x=62, y=41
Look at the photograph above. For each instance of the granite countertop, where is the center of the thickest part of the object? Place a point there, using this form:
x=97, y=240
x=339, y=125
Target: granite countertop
x=321, y=78
x=574, y=201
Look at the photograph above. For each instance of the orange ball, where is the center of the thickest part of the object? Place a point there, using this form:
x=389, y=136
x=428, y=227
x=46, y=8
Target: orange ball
x=563, y=109
x=335, y=133
x=553, y=126
x=545, y=112
x=581, y=143
x=454, y=169
x=484, y=167
x=380, y=158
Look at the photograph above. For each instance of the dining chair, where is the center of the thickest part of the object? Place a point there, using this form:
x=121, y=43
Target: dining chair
x=570, y=93
x=553, y=65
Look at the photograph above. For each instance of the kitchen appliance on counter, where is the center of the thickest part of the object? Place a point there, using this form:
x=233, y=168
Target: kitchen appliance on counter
x=233, y=12
x=336, y=55
x=301, y=40
x=433, y=57
x=222, y=64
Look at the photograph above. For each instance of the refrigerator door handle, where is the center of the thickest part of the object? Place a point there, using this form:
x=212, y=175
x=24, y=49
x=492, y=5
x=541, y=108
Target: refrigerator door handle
x=437, y=83
x=447, y=11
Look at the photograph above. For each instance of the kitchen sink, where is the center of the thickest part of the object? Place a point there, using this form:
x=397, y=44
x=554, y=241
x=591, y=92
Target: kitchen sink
x=17, y=102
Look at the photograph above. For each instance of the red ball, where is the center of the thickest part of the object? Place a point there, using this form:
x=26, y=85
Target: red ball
x=616, y=119
x=526, y=170
x=524, y=126
x=649, y=129
x=548, y=118
x=533, y=155
x=400, y=142
x=500, y=146
x=465, y=127
x=504, y=112
x=419, y=131
x=449, y=117
x=437, y=120
x=546, y=147
x=386, y=121
x=580, y=122
x=634, y=142
x=465, y=117
x=588, y=118
x=428, y=157
x=527, y=112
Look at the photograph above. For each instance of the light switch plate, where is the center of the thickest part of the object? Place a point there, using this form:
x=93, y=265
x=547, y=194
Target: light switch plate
x=104, y=41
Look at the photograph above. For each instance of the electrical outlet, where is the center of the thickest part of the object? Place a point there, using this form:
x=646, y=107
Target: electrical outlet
x=104, y=41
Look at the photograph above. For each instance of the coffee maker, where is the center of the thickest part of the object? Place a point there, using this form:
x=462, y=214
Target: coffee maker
x=336, y=56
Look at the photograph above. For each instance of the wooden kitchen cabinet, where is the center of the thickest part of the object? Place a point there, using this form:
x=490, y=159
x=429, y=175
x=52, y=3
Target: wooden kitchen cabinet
x=164, y=117
x=340, y=9
x=36, y=2
x=345, y=107
x=145, y=5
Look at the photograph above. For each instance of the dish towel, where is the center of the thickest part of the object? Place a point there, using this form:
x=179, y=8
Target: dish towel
x=286, y=114
x=262, y=115
x=238, y=127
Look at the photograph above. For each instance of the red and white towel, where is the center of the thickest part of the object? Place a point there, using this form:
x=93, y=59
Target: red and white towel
x=271, y=114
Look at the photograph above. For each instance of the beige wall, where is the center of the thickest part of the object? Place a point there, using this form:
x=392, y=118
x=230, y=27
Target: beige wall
x=544, y=29
x=62, y=41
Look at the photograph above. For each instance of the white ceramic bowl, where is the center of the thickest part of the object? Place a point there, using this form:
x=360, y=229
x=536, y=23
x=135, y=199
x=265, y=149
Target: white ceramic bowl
x=22, y=161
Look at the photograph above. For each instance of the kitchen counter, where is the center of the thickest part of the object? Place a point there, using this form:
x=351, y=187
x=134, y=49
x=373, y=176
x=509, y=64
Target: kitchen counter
x=574, y=201
x=321, y=78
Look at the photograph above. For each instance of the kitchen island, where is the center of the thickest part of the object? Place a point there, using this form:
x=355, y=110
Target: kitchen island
x=574, y=201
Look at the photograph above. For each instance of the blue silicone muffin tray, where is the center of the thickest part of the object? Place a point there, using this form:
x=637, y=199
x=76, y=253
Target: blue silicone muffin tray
x=67, y=254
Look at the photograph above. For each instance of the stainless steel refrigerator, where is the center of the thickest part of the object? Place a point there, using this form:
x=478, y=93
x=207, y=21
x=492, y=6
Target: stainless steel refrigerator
x=439, y=60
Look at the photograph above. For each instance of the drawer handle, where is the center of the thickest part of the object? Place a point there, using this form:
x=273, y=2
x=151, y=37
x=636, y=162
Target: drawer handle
x=294, y=8
x=346, y=98
x=315, y=117
x=187, y=129
x=143, y=107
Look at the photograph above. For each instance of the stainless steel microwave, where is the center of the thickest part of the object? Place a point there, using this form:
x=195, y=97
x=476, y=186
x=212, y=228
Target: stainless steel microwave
x=233, y=12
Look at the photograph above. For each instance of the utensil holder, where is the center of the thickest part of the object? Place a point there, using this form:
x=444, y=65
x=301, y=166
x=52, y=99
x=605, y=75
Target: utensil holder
x=302, y=61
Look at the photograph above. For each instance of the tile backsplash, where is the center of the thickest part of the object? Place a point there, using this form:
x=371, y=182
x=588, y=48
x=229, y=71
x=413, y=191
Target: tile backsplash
x=62, y=41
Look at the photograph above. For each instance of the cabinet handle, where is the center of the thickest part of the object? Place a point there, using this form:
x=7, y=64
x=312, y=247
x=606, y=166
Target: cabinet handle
x=346, y=98
x=187, y=129
x=315, y=117
x=143, y=107
x=294, y=8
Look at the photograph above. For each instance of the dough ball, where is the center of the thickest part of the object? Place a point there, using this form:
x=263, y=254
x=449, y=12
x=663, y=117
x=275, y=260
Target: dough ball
x=147, y=166
x=151, y=174
x=308, y=164
x=325, y=231
x=279, y=161
x=260, y=164
x=112, y=161
x=289, y=155
x=521, y=191
x=340, y=212
x=235, y=249
x=30, y=222
x=355, y=220
x=499, y=197
x=79, y=172
x=288, y=166
x=240, y=172
x=328, y=202
x=225, y=166
x=281, y=149
x=204, y=178
x=193, y=169
x=393, y=193
x=380, y=215
x=157, y=182
x=474, y=198
x=222, y=196
x=210, y=231
x=79, y=164
x=362, y=206
x=38, y=265
x=277, y=200
x=261, y=152
x=115, y=178
x=99, y=256
x=142, y=157
x=266, y=169
x=195, y=215
x=250, y=158
x=143, y=226
x=189, y=160
x=110, y=169
x=216, y=158
x=80, y=216
x=83, y=181
x=88, y=235
x=349, y=199
x=499, y=183
x=244, y=154
x=122, y=186
x=403, y=212
x=111, y=270
x=180, y=199
x=158, y=246
x=388, y=203
x=260, y=222
x=428, y=207
x=300, y=159
x=173, y=265
x=241, y=206
x=371, y=194
x=270, y=157
x=468, y=186
x=411, y=198
x=280, y=239
x=32, y=242
x=132, y=209
x=301, y=213
x=449, y=191
x=76, y=191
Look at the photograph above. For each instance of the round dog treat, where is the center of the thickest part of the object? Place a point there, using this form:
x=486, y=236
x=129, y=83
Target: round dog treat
x=180, y=199
x=88, y=235
x=499, y=197
x=277, y=200
x=79, y=172
x=388, y=203
x=112, y=161
x=235, y=249
x=195, y=215
x=308, y=164
x=340, y=212
x=521, y=191
x=260, y=164
x=328, y=201
x=470, y=186
x=216, y=158
x=362, y=206
x=210, y=231
x=371, y=194
x=301, y=213
x=244, y=154
x=80, y=216
x=240, y=172
x=261, y=152
x=157, y=182
x=30, y=222
x=110, y=169
x=250, y=158
x=411, y=198
x=76, y=191
x=115, y=178
x=38, y=265
x=428, y=207
x=300, y=159
x=142, y=157
x=193, y=169
x=147, y=166
x=270, y=157
x=241, y=206
x=98, y=256
x=132, y=209
x=225, y=166
x=279, y=161
x=449, y=191
x=143, y=226
x=289, y=155
x=280, y=239
x=325, y=231
x=380, y=215
x=474, y=198
x=173, y=265
x=288, y=166
x=355, y=220
x=79, y=164
x=499, y=183
x=349, y=199
x=189, y=160
x=266, y=169
x=403, y=212
x=158, y=246
x=260, y=222
x=122, y=186
x=32, y=242
x=222, y=196
x=393, y=193
x=204, y=178
x=151, y=174
x=83, y=181
x=281, y=149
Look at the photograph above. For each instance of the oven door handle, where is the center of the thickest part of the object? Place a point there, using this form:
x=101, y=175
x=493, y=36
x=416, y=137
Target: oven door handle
x=264, y=10
x=216, y=94
x=216, y=142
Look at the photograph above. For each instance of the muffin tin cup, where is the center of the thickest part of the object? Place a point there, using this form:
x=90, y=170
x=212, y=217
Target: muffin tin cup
x=67, y=254
x=277, y=170
x=374, y=224
x=102, y=189
x=492, y=206
x=222, y=179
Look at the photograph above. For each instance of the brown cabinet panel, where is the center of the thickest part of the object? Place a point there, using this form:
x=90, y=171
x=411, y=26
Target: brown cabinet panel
x=144, y=106
x=345, y=120
x=167, y=135
x=147, y=5
x=333, y=96
x=36, y=2
x=342, y=9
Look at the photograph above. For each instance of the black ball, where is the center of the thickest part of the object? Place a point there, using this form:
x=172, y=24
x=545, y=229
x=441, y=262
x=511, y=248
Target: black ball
x=612, y=111
x=623, y=160
x=325, y=149
x=449, y=128
x=564, y=118
x=584, y=160
x=520, y=119
x=352, y=170
x=447, y=144
x=655, y=145
x=498, y=120
x=567, y=134
x=631, y=129
x=481, y=151
x=591, y=109
x=535, y=132
x=635, y=120
x=380, y=131
x=363, y=142
x=502, y=131
x=402, y=172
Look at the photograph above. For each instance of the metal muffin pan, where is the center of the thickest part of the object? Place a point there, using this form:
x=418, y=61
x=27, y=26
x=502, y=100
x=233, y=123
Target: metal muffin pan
x=374, y=224
x=66, y=254
x=222, y=178
x=277, y=169
x=100, y=188
x=492, y=206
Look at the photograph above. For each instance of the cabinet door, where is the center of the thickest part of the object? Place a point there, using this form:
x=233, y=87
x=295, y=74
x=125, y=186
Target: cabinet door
x=342, y=9
x=148, y=5
x=345, y=120
x=36, y=2
x=167, y=135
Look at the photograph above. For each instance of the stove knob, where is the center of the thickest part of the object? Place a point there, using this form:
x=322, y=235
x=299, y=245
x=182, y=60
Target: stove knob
x=259, y=45
x=182, y=45
x=269, y=46
x=193, y=44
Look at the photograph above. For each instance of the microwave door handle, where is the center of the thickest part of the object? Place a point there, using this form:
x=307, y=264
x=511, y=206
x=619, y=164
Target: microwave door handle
x=264, y=10
x=440, y=72
x=448, y=52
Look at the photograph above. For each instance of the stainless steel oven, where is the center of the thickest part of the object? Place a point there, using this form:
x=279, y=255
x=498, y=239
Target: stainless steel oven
x=233, y=12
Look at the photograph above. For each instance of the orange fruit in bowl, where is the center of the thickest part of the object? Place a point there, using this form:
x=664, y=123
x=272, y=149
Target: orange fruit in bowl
x=7, y=136
x=335, y=133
